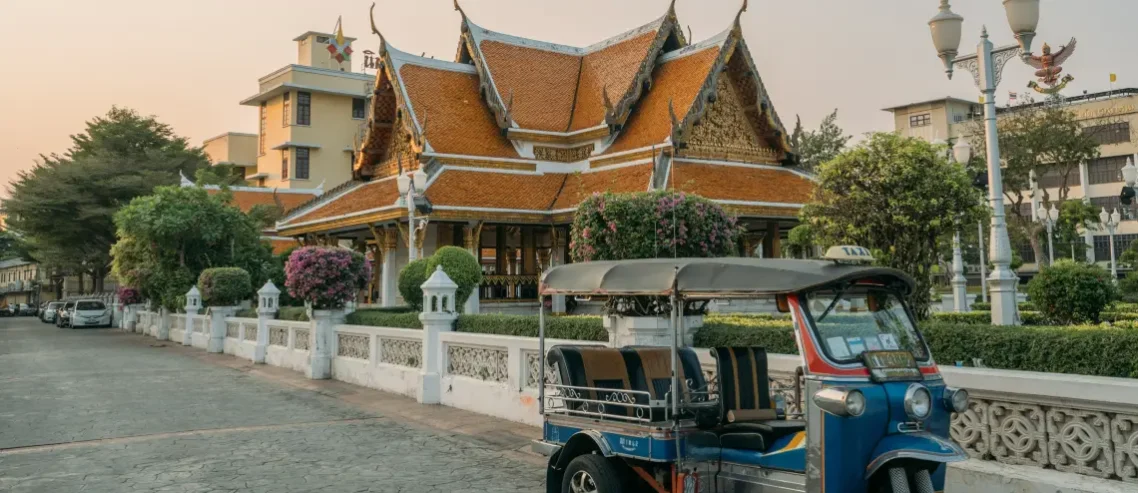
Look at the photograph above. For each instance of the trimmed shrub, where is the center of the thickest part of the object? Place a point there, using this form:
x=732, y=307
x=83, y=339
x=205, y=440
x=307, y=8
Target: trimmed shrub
x=381, y=318
x=1069, y=292
x=129, y=296
x=462, y=268
x=246, y=313
x=411, y=280
x=980, y=306
x=579, y=328
x=224, y=286
x=294, y=313
x=326, y=277
x=777, y=336
x=1082, y=350
x=1128, y=287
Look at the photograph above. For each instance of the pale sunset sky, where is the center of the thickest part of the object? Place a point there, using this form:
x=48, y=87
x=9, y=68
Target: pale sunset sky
x=189, y=63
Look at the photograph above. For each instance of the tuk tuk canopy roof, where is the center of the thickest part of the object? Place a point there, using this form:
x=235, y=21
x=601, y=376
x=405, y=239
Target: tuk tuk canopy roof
x=711, y=277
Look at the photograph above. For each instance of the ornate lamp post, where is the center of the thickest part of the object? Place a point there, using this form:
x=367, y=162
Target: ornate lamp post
x=1110, y=222
x=1049, y=218
x=986, y=67
x=410, y=186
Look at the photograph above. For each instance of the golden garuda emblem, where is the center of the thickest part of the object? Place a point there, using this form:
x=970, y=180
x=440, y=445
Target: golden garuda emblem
x=1049, y=66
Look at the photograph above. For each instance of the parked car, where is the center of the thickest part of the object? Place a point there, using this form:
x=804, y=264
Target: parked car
x=63, y=316
x=49, y=312
x=28, y=309
x=90, y=313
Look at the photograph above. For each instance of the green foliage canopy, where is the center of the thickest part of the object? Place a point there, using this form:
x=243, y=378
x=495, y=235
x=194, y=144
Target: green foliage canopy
x=815, y=147
x=167, y=239
x=411, y=280
x=462, y=268
x=898, y=197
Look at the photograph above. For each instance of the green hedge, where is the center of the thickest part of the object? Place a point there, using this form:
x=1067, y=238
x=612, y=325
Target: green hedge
x=381, y=317
x=581, y=328
x=294, y=313
x=1101, y=351
x=777, y=335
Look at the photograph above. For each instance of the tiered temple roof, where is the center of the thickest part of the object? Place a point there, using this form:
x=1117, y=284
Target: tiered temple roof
x=518, y=130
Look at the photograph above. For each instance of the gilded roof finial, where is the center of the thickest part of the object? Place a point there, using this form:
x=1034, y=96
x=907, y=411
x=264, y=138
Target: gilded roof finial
x=459, y=9
x=375, y=30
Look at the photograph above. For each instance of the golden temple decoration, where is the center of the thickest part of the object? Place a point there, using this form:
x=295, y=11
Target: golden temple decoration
x=563, y=155
x=725, y=132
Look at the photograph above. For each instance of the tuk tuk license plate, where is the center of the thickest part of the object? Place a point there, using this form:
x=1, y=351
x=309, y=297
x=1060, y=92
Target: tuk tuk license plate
x=891, y=366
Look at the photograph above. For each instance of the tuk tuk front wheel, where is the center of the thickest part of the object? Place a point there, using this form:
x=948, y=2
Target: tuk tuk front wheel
x=906, y=480
x=592, y=473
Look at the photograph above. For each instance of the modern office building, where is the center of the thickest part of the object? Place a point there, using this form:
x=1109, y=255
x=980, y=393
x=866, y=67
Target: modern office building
x=1111, y=117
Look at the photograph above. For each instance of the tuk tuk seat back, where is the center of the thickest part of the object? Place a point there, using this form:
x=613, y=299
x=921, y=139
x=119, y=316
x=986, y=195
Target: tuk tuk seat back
x=635, y=375
x=744, y=384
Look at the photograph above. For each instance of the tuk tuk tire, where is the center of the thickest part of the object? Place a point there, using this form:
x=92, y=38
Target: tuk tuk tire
x=606, y=476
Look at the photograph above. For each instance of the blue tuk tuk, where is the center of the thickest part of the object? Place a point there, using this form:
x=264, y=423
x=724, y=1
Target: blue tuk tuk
x=872, y=411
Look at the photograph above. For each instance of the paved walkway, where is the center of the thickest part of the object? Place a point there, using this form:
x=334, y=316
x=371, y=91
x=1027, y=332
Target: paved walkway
x=103, y=411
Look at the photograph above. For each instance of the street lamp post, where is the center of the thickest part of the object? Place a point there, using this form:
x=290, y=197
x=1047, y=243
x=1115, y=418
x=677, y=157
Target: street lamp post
x=1110, y=222
x=1049, y=218
x=962, y=153
x=986, y=67
x=410, y=185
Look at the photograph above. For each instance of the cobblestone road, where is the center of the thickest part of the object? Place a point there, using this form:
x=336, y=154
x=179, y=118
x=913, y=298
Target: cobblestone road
x=104, y=411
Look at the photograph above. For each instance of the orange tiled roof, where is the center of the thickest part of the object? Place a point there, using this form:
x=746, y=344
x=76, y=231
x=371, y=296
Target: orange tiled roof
x=280, y=246
x=457, y=121
x=613, y=67
x=678, y=80
x=579, y=186
x=372, y=195
x=744, y=183
x=542, y=83
x=495, y=190
x=246, y=199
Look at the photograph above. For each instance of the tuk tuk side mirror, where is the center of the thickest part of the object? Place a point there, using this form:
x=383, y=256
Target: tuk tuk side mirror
x=783, y=302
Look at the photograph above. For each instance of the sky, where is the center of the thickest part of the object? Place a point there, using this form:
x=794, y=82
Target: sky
x=189, y=63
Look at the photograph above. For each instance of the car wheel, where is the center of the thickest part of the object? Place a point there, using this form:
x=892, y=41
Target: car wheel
x=592, y=473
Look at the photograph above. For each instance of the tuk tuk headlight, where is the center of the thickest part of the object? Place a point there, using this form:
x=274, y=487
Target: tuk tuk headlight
x=955, y=400
x=841, y=402
x=918, y=402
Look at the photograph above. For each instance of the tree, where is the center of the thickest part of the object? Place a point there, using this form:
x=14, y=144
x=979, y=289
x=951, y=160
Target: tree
x=64, y=206
x=897, y=196
x=225, y=175
x=1047, y=140
x=818, y=146
x=167, y=239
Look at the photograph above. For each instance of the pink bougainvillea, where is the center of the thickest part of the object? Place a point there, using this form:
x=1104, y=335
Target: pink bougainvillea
x=326, y=277
x=129, y=296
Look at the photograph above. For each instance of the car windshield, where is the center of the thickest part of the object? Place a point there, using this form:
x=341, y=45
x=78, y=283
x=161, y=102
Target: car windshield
x=90, y=305
x=52, y=306
x=857, y=320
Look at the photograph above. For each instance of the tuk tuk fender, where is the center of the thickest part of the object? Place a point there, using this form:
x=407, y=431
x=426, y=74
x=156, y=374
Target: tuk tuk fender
x=582, y=442
x=922, y=446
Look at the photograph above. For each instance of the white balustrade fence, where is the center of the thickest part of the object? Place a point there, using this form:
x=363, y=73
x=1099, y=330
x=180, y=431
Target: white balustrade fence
x=1071, y=423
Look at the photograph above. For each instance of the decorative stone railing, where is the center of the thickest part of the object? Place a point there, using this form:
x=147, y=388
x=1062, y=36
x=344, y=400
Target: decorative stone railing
x=1070, y=423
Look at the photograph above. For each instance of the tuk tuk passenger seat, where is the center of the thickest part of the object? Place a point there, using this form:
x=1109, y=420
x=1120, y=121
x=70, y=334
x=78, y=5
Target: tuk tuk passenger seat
x=749, y=418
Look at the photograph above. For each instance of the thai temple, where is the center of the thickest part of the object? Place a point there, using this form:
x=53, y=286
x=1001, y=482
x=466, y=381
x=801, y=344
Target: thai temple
x=499, y=146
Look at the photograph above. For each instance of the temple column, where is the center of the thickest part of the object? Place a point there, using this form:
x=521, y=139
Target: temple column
x=471, y=240
x=388, y=275
x=772, y=247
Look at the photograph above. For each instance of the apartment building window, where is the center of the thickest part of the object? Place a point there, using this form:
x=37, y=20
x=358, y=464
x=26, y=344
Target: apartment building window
x=301, y=163
x=1106, y=170
x=1121, y=243
x=304, y=108
x=358, y=111
x=1053, y=178
x=921, y=120
x=284, y=164
x=1111, y=133
x=1110, y=204
x=264, y=127
x=286, y=110
x=1026, y=254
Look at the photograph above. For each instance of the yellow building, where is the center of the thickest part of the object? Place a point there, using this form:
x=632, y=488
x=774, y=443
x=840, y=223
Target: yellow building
x=310, y=115
x=1111, y=117
x=19, y=282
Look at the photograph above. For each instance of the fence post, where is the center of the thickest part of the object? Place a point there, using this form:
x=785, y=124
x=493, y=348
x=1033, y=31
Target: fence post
x=438, y=316
x=193, y=306
x=217, y=316
x=267, y=306
x=163, y=324
x=321, y=331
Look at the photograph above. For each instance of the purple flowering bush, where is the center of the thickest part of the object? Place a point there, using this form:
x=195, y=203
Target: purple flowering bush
x=129, y=296
x=650, y=225
x=661, y=224
x=326, y=277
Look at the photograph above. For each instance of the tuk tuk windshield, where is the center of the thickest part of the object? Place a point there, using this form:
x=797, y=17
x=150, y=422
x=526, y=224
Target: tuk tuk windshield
x=852, y=321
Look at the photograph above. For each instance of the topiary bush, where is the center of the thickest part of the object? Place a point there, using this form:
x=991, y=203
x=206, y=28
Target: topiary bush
x=577, y=328
x=326, y=277
x=411, y=280
x=1069, y=292
x=382, y=318
x=462, y=268
x=225, y=286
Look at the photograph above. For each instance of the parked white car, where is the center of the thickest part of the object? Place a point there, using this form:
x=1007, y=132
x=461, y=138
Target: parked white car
x=90, y=313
